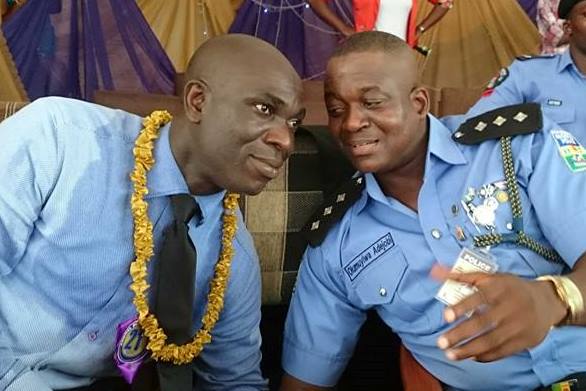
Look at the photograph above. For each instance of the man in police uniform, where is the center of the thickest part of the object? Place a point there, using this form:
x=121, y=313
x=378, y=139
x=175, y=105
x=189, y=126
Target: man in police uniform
x=426, y=200
x=557, y=82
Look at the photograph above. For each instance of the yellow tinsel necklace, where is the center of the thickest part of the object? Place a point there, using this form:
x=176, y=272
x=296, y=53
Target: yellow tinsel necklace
x=143, y=248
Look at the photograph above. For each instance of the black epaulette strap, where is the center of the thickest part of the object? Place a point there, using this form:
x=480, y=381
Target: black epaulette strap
x=526, y=57
x=505, y=121
x=332, y=210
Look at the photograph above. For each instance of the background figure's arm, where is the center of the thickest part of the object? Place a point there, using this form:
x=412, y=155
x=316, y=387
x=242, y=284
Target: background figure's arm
x=325, y=13
x=434, y=16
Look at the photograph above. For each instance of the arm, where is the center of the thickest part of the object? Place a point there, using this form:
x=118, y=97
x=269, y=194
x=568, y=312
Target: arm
x=324, y=12
x=27, y=159
x=434, y=16
x=506, y=88
x=232, y=360
x=322, y=324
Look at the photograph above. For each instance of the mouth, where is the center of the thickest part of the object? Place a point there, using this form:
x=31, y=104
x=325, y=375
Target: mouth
x=361, y=147
x=268, y=168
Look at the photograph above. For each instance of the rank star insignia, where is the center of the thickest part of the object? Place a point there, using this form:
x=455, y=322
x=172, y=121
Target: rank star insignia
x=480, y=126
x=315, y=225
x=520, y=117
x=328, y=211
x=499, y=121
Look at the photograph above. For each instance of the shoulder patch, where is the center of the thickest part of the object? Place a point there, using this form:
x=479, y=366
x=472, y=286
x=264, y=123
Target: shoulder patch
x=496, y=81
x=526, y=57
x=571, y=151
x=505, y=121
x=332, y=210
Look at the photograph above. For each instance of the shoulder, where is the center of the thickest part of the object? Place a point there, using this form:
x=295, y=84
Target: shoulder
x=67, y=114
x=511, y=120
x=333, y=211
x=527, y=58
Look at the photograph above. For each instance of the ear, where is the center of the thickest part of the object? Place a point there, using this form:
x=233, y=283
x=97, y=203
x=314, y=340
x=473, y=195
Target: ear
x=194, y=98
x=567, y=28
x=420, y=101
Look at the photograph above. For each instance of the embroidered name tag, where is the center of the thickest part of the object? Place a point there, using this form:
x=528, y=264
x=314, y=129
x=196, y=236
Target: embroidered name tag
x=570, y=150
x=368, y=256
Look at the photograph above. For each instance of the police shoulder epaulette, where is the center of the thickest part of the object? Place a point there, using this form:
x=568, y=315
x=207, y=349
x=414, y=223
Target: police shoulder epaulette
x=505, y=121
x=526, y=57
x=332, y=210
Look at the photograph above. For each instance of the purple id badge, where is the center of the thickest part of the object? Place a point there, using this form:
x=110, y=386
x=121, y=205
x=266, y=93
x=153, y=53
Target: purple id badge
x=130, y=350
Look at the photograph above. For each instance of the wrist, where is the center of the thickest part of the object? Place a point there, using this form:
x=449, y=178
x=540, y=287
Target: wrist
x=556, y=308
x=568, y=296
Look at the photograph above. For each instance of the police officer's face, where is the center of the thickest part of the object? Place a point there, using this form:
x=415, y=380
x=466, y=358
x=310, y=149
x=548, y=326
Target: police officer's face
x=247, y=127
x=576, y=26
x=375, y=110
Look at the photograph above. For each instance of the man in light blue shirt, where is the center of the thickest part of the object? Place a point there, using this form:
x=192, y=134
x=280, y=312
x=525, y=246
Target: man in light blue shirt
x=423, y=196
x=66, y=228
x=557, y=82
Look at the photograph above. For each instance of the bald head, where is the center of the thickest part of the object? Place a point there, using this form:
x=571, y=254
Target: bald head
x=236, y=54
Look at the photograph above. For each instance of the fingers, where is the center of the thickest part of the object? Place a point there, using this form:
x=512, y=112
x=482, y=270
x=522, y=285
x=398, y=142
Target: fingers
x=495, y=343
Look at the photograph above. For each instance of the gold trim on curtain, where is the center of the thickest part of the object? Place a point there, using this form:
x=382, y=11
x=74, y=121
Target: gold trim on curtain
x=182, y=26
x=12, y=87
x=474, y=41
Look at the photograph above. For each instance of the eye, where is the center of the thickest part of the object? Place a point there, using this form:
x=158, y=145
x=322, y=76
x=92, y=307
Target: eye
x=335, y=111
x=264, y=109
x=371, y=104
x=294, y=123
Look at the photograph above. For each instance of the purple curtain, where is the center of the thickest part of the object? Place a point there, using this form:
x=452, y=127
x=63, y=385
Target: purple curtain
x=530, y=7
x=294, y=29
x=74, y=47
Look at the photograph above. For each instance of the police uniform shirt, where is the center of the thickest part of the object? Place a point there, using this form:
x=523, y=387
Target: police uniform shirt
x=380, y=254
x=553, y=81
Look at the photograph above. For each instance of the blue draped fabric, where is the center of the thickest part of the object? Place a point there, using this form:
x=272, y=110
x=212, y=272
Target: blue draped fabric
x=74, y=47
x=530, y=7
x=294, y=29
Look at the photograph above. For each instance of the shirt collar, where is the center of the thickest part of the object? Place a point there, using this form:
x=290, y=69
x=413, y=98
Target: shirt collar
x=566, y=61
x=165, y=178
x=440, y=145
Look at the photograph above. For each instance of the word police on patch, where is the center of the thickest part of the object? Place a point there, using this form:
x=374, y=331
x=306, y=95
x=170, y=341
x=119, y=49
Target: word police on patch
x=369, y=255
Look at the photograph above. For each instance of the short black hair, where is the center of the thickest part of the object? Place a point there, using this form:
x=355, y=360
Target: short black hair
x=370, y=41
x=565, y=7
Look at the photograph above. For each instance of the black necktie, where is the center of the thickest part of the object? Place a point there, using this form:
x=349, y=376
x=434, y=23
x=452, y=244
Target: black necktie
x=175, y=291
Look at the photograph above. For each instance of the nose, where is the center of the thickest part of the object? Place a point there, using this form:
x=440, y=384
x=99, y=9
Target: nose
x=355, y=119
x=281, y=137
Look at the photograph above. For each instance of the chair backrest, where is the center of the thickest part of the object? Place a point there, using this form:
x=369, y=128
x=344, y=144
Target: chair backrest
x=276, y=216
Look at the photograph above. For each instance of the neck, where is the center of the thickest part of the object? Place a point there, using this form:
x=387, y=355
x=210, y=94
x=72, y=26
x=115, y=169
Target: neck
x=192, y=169
x=579, y=58
x=404, y=182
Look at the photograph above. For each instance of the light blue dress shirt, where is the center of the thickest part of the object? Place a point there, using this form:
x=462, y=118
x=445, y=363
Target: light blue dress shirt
x=66, y=245
x=380, y=254
x=553, y=81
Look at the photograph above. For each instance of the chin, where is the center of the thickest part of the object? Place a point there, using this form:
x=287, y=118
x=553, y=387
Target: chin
x=253, y=187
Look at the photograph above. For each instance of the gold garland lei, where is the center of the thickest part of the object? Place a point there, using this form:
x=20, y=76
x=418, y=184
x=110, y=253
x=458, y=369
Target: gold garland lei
x=143, y=248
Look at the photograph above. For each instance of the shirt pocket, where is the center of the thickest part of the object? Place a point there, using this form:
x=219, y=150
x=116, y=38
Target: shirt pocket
x=394, y=291
x=559, y=114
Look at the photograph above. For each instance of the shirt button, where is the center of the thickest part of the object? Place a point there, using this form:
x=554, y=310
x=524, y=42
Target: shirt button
x=92, y=336
x=382, y=292
x=510, y=226
x=436, y=233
